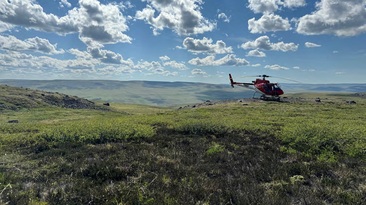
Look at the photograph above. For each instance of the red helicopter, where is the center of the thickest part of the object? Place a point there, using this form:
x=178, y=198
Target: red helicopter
x=270, y=91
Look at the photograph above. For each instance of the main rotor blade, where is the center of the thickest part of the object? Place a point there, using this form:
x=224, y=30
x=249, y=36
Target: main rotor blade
x=271, y=76
x=288, y=79
x=256, y=76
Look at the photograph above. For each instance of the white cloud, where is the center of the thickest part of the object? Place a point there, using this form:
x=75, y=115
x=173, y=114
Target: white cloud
x=149, y=66
x=172, y=63
x=29, y=14
x=96, y=23
x=108, y=57
x=208, y=60
x=205, y=45
x=94, y=61
x=256, y=65
x=263, y=6
x=123, y=5
x=80, y=54
x=13, y=59
x=256, y=53
x=198, y=71
x=270, y=6
x=276, y=67
x=153, y=67
x=311, y=45
x=228, y=60
x=223, y=17
x=264, y=43
x=175, y=64
x=84, y=66
x=5, y=27
x=99, y=23
x=105, y=55
x=64, y=3
x=19, y=62
x=268, y=22
x=78, y=64
x=336, y=17
x=231, y=60
x=35, y=44
x=114, y=69
x=165, y=73
x=164, y=58
x=182, y=16
x=293, y=3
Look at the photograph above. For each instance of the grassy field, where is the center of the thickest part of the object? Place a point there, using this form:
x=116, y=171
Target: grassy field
x=249, y=152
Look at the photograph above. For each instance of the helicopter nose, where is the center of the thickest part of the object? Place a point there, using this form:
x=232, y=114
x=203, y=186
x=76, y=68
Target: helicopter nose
x=280, y=92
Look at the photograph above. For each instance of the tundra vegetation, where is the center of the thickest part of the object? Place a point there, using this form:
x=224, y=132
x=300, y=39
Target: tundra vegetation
x=297, y=152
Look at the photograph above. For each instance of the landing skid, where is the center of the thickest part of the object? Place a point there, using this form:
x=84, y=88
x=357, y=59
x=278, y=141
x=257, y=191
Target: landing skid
x=267, y=98
x=270, y=98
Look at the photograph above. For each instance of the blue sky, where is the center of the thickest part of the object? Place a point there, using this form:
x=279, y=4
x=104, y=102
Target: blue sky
x=320, y=41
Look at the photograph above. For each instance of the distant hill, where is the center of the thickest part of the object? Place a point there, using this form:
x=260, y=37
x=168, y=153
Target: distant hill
x=350, y=88
x=164, y=93
x=137, y=92
x=15, y=98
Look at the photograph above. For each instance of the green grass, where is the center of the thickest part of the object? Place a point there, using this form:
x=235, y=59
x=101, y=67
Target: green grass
x=253, y=153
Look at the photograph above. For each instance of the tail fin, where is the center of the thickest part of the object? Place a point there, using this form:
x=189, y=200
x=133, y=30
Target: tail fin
x=231, y=80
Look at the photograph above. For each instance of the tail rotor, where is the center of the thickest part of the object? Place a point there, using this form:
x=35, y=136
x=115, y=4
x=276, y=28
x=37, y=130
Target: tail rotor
x=231, y=80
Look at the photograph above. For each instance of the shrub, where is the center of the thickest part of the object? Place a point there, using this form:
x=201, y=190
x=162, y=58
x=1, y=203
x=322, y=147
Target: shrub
x=215, y=148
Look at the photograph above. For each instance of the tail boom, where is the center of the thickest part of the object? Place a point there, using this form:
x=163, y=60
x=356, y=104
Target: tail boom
x=233, y=83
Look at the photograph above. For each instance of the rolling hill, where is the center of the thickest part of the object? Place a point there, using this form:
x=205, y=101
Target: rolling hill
x=15, y=98
x=163, y=93
x=136, y=92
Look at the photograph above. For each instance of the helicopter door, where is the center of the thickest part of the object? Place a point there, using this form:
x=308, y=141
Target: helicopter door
x=276, y=89
x=267, y=88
